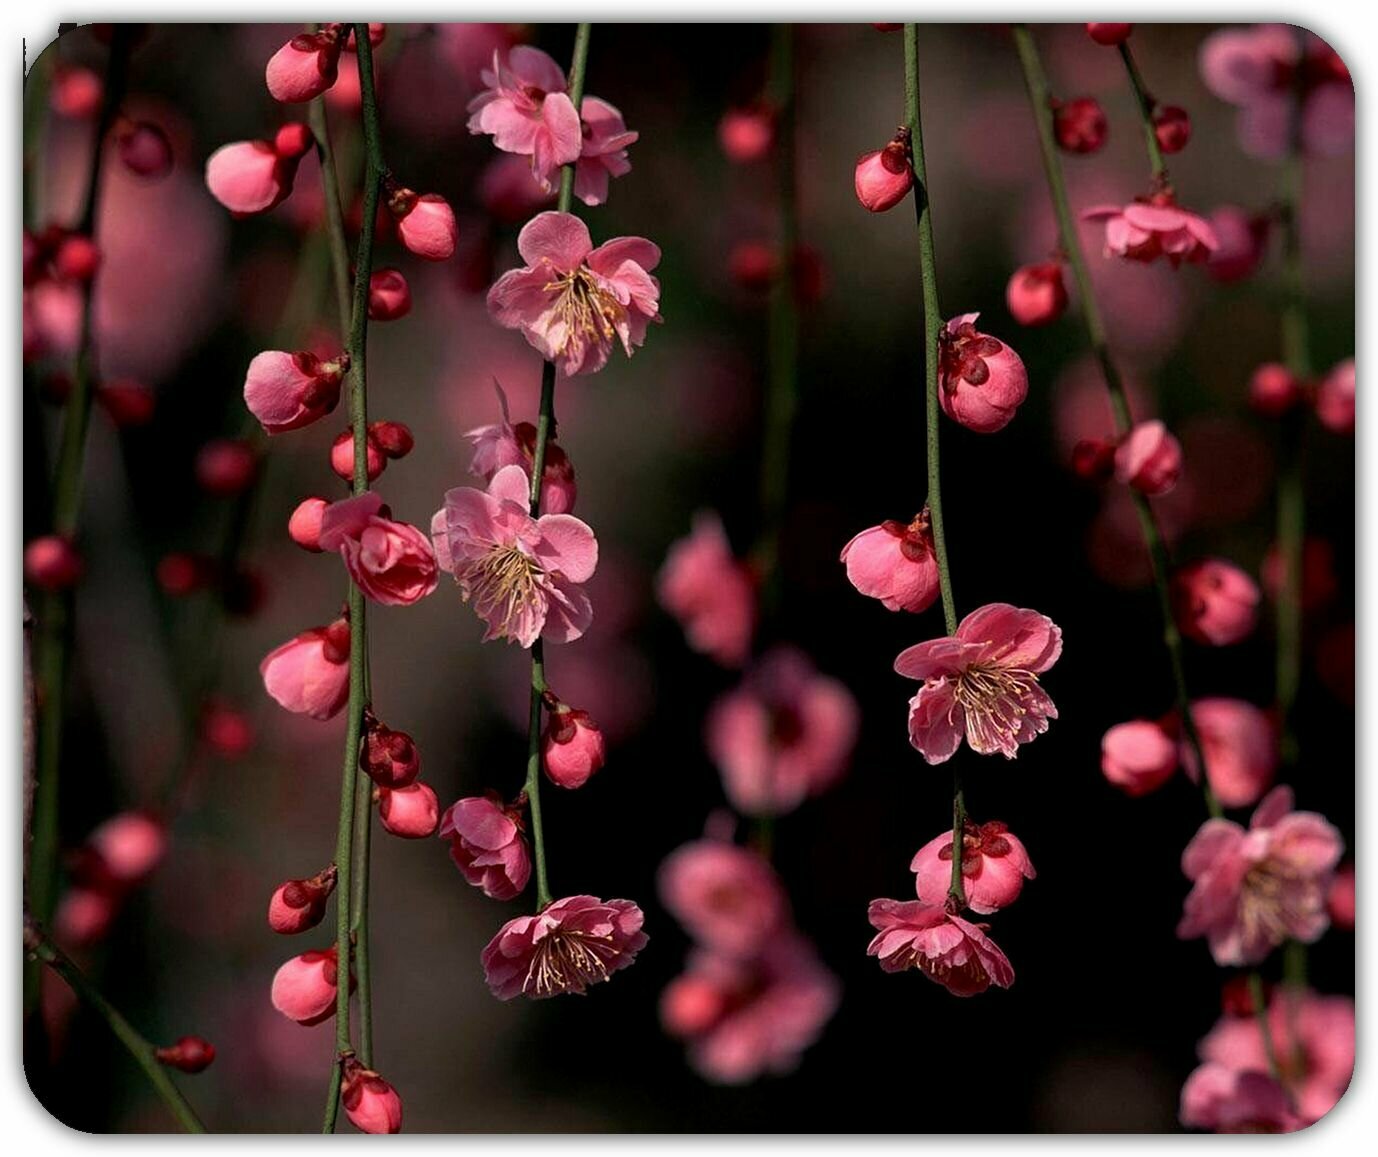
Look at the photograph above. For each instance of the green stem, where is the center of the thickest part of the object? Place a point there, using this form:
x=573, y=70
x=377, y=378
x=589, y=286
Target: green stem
x=43, y=951
x=1265, y=1027
x=1040, y=96
x=1146, y=105
x=336, y=235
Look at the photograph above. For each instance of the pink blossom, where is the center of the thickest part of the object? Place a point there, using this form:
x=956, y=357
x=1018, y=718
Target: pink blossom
x=1253, y=889
x=1223, y=1100
x=310, y=674
x=981, y=684
x=523, y=574
x=412, y=812
x=1148, y=230
x=572, y=747
x=895, y=563
x=604, y=152
x=569, y=945
x=1036, y=294
x=952, y=951
x=884, y=176
x=727, y=897
x=1215, y=602
x=710, y=592
x=1313, y=1037
x=572, y=301
x=526, y=110
x=1149, y=459
x=371, y=1104
x=785, y=733
x=981, y=380
x=84, y=915
x=487, y=845
x=129, y=846
x=1335, y=398
x=226, y=466
x=305, y=66
x=52, y=563
x=1138, y=757
x=389, y=295
x=391, y=562
x=995, y=865
x=1241, y=749
x=253, y=176
x=304, y=987
x=286, y=391
x=425, y=223
x=746, y=134
x=1274, y=390
x=502, y=444
x=743, y=1018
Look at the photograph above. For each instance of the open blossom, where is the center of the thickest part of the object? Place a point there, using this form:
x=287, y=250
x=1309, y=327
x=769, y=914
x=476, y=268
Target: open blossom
x=1149, y=459
x=526, y=110
x=524, y=575
x=952, y=951
x=981, y=684
x=784, y=734
x=305, y=66
x=1215, y=602
x=743, y=1018
x=1240, y=744
x=1219, y=1099
x=1138, y=757
x=570, y=944
x=604, y=151
x=1335, y=398
x=286, y=391
x=1148, y=230
x=727, y=897
x=304, y=987
x=391, y=562
x=895, y=563
x=1253, y=889
x=502, y=444
x=487, y=845
x=371, y=1104
x=981, y=380
x=1314, y=1040
x=253, y=176
x=994, y=867
x=310, y=674
x=710, y=592
x=572, y=302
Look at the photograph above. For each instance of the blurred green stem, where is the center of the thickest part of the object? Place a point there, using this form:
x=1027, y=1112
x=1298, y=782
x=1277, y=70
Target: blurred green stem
x=1265, y=1027
x=1039, y=98
x=1145, y=104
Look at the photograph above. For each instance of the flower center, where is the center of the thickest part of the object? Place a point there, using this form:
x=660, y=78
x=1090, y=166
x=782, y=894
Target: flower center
x=963, y=355
x=568, y=961
x=1271, y=902
x=993, y=699
x=504, y=586
x=589, y=312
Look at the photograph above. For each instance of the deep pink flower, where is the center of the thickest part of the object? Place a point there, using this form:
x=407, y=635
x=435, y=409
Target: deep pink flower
x=952, y=951
x=487, y=845
x=304, y=525
x=895, y=563
x=297, y=905
x=743, y=1018
x=604, y=152
x=710, y=592
x=995, y=865
x=572, y=301
x=391, y=562
x=727, y=897
x=425, y=223
x=981, y=684
x=573, y=943
x=371, y=1104
x=52, y=563
x=305, y=66
x=523, y=574
x=1147, y=230
x=1215, y=602
x=1138, y=757
x=310, y=674
x=572, y=746
x=526, y=110
x=1223, y=1100
x=884, y=177
x=1240, y=744
x=128, y=846
x=1079, y=125
x=286, y=391
x=746, y=134
x=253, y=176
x=390, y=758
x=982, y=381
x=1335, y=398
x=1171, y=128
x=784, y=734
x=1253, y=889
x=412, y=812
x=1313, y=1037
x=143, y=148
x=503, y=444
x=1036, y=294
x=1149, y=459
x=304, y=987
x=389, y=295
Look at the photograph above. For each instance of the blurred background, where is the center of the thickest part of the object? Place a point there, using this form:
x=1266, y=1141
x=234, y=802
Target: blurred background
x=1099, y=1030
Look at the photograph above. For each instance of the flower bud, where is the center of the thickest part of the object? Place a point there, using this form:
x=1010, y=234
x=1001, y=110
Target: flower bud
x=371, y=1104
x=129, y=403
x=389, y=296
x=181, y=574
x=226, y=730
x=746, y=134
x=394, y=439
x=297, y=905
x=1237, y=996
x=51, y=563
x=884, y=177
x=388, y=757
x=982, y=381
x=1149, y=459
x=128, y=847
x=293, y=140
x=309, y=675
x=342, y=456
x=144, y=148
x=1339, y=900
x=412, y=812
x=304, y=526
x=1079, y=124
x=895, y=563
x=191, y=1054
x=1274, y=390
x=572, y=747
x=1109, y=35
x=1172, y=127
x=1240, y=745
x=1093, y=459
x=304, y=987
x=75, y=92
x=226, y=466
x=1036, y=294
x=77, y=258
x=84, y=915
x=1138, y=757
x=254, y=176
x=304, y=67
x=425, y=223
x=1335, y=399
x=691, y=1005
x=1214, y=602
x=286, y=391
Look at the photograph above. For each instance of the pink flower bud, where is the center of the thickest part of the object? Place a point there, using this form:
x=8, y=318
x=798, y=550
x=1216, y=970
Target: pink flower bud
x=226, y=466
x=309, y=675
x=77, y=258
x=1149, y=459
x=1241, y=748
x=181, y=574
x=191, y=1054
x=388, y=757
x=1093, y=459
x=389, y=296
x=393, y=438
x=746, y=134
x=286, y=391
x=486, y=844
x=981, y=380
x=884, y=177
x=84, y=916
x=304, y=987
x=297, y=905
x=1274, y=390
x=1079, y=124
x=1340, y=900
x=572, y=747
x=425, y=224
x=371, y=1104
x=75, y=92
x=129, y=403
x=342, y=456
x=411, y=812
x=293, y=140
x=304, y=67
x=1109, y=35
x=1138, y=757
x=249, y=176
x=1335, y=399
x=129, y=846
x=1172, y=127
x=690, y=1005
x=226, y=730
x=995, y=865
x=144, y=148
x=51, y=563
x=1036, y=294
x=894, y=562
x=1215, y=602
x=304, y=527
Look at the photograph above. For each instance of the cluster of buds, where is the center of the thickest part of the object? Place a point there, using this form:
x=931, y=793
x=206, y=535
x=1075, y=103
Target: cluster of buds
x=1147, y=459
x=1274, y=392
x=118, y=856
x=406, y=807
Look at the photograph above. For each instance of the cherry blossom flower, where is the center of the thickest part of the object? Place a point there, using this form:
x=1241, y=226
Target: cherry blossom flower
x=884, y=176
x=1240, y=744
x=945, y=948
x=727, y=897
x=604, y=151
x=487, y=845
x=1223, y=1100
x=310, y=674
x=1158, y=227
x=502, y=444
x=1138, y=757
x=1215, y=602
x=1253, y=889
x=1109, y=35
x=569, y=945
x=746, y=134
x=286, y=391
x=572, y=302
x=391, y=562
x=191, y=1054
x=297, y=905
x=995, y=865
x=572, y=746
x=425, y=223
x=128, y=847
x=1149, y=459
x=981, y=380
x=411, y=812
x=526, y=110
x=304, y=987
x=784, y=734
x=253, y=176
x=305, y=66
x=981, y=684
x=895, y=563
x=710, y=592
x=371, y=1104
